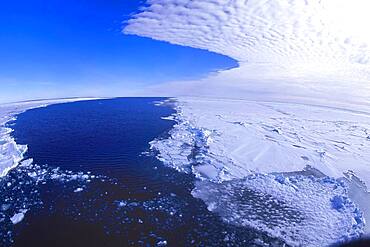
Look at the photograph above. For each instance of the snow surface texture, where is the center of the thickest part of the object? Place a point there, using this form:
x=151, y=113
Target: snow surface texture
x=12, y=153
x=285, y=49
x=244, y=137
x=232, y=140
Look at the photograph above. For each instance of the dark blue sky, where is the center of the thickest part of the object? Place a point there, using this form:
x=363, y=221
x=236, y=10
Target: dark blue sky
x=70, y=48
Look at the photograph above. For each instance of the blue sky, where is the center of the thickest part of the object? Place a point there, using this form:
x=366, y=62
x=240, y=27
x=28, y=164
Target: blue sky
x=63, y=48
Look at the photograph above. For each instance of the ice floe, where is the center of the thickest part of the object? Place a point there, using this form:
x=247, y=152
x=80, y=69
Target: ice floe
x=78, y=190
x=237, y=137
x=18, y=217
x=225, y=143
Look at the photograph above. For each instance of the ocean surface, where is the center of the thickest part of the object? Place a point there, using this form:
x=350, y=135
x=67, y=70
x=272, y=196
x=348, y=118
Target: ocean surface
x=95, y=182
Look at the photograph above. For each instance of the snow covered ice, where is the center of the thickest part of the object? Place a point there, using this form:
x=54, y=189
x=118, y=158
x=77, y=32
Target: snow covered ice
x=310, y=154
x=239, y=137
x=18, y=217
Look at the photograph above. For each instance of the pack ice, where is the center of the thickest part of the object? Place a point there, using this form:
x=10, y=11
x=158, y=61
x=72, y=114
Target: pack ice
x=293, y=170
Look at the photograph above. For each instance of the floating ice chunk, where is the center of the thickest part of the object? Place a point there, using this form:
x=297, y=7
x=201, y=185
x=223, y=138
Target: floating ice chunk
x=78, y=190
x=121, y=204
x=162, y=243
x=18, y=217
x=221, y=140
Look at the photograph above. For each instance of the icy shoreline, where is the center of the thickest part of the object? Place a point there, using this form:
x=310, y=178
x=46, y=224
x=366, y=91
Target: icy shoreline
x=11, y=153
x=229, y=141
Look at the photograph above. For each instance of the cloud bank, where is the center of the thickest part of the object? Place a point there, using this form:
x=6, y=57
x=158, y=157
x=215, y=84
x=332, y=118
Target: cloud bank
x=300, y=47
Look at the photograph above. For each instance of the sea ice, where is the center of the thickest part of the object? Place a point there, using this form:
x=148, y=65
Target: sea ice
x=20, y=191
x=239, y=137
x=303, y=211
x=227, y=142
x=78, y=190
x=18, y=217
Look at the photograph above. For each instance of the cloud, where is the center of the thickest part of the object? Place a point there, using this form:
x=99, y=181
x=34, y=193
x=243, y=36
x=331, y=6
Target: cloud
x=293, y=40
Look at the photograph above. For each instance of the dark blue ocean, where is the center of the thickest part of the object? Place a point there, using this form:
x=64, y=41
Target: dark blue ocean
x=94, y=182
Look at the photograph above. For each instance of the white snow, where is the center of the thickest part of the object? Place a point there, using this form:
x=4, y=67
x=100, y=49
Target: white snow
x=78, y=190
x=12, y=153
x=235, y=138
x=227, y=143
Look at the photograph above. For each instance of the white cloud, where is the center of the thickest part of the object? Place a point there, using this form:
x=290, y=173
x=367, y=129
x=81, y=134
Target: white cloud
x=297, y=41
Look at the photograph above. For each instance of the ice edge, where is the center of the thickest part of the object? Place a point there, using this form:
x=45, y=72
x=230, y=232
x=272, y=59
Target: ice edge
x=11, y=153
x=186, y=151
